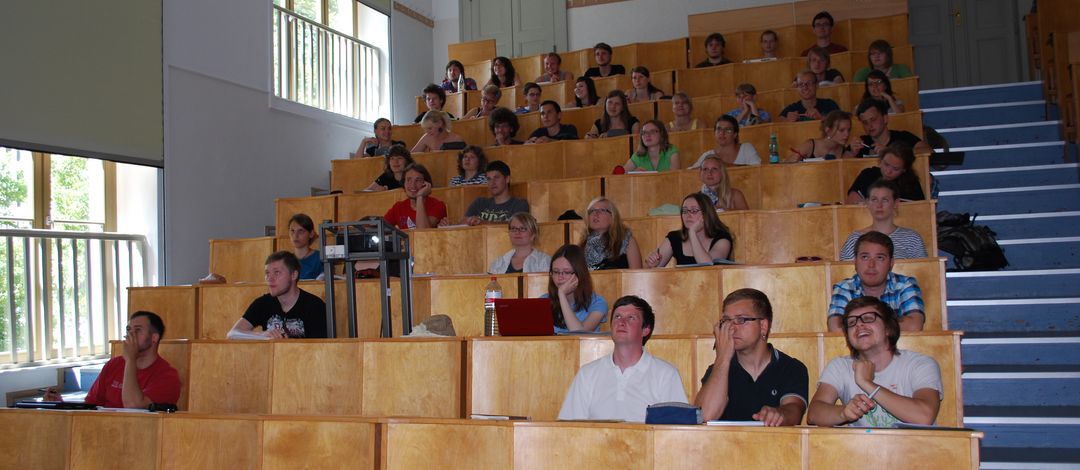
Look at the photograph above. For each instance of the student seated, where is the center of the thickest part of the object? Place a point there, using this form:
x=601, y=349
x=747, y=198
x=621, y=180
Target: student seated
x=604, y=68
x=809, y=106
x=380, y=143
x=818, y=61
x=608, y=243
x=624, y=383
x=874, y=277
x=584, y=93
x=895, y=165
x=302, y=234
x=504, y=126
x=878, y=385
x=880, y=57
x=419, y=209
x=879, y=88
x=471, y=165
x=682, y=107
x=702, y=239
x=286, y=311
x=615, y=119
x=769, y=42
x=532, y=99
x=501, y=205
x=643, y=89
x=138, y=376
x=437, y=134
x=654, y=152
x=717, y=186
x=489, y=98
x=882, y=204
x=552, y=127
x=394, y=163
x=570, y=289
x=823, y=26
x=435, y=99
x=750, y=380
x=552, y=62
x=833, y=143
x=714, y=51
x=454, y=71
x=524, y=257
x=748, y=113
x=502, y=73
x=728, y=148
x=874, y=116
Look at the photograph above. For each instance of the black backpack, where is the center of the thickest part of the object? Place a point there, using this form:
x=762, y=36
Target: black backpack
x=974, y=247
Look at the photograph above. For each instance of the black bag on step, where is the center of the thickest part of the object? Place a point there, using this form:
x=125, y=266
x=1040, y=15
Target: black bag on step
x=974, y=247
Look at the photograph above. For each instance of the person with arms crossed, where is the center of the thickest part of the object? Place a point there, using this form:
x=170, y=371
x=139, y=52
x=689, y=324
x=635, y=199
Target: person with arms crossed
x=624, y=383
x=137, y=377
x=874, y=277
x=286, y=311
x=878, y=385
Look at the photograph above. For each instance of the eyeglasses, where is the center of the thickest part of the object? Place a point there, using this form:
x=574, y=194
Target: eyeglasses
x=804, y=84
x=694, y=211
x=518, y=229
x=740, y=320
x=562, y=273
x=867, y=318
x=725, y=130
x=599, y=209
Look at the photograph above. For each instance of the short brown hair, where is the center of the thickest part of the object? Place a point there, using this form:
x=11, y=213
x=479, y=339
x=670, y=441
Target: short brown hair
x=884, y=311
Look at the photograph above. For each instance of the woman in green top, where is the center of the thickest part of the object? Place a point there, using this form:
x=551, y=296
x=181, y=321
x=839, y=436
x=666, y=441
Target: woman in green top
x=654, y=153
x=880, y=57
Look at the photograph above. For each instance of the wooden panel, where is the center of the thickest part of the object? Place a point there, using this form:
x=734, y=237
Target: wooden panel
x=605, y=85
x=544, y=446
x=885, y=448
x=414, y=377
x=335, y=366
x=530, y=162
x=691, y=144
x=688, y=448
x=442, y=165
x=497, y=386
x=230, y=377
x=474, y=131
x=408, y=133
x=462, y=444
x=35, y=439
x=479, y=71
x=528, y=69
x=644, y=231
x=893, y=29
x=220, y=306
x=778, y=237
x=319, y=208
x=210, y=442
x=664, y=80
x=176, y=305
x=97, y=438
x=910, y=121
x=816, y=182
x=707, y=109
x=559, y=92
x=243, y=259
x=665, y=289
x=357, y=206
x=662, y=55
x=349, y=176
x=317, y=444
x=603, y=155
x=799, y=293
x=707, y=81
x=576, y=62
x=449, y=251
x=635, y=194
x=462, y=299
x=644, y=111
x=472, y=51
x=549, y=199
x=766, y=76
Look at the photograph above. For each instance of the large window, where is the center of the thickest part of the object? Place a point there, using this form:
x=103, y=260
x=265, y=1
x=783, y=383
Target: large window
x=332, y=55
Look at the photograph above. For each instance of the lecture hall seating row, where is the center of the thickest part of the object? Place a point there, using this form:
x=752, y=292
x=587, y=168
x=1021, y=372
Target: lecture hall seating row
x=686, y=300
x=455, y=377
x=91, y=439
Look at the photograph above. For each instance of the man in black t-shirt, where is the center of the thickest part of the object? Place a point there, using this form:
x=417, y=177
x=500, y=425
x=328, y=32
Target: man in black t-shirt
x=285, y=312
x=551, y=126
x=809, y=107
x=750, y=380
x=874, y=116
x=498, y=208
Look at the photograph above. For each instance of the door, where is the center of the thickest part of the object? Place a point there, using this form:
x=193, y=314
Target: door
x=519, y=27
x=964, y=42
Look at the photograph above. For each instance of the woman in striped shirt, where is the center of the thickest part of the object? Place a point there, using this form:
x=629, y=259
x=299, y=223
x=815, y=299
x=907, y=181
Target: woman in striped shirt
x=882, y=205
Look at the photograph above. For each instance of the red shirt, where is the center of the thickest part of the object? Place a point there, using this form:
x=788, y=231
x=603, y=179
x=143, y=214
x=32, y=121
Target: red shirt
x=160, y=383
x=403, y=216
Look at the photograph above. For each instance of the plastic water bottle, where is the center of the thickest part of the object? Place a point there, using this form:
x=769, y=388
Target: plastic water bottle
x=461, y=82
x=774, y=153
x=491, y=292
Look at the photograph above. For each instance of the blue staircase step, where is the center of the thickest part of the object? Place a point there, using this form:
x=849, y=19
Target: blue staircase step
x=1043, y=283
x=1036, y=225
x=1044, y=387
x=1041, y=253
x=1024, y=91
x=1021, y=352
x=1012, y=200
x=1017, y=316
x=1012, y=458
x=996, y=156
x=985, y=114
x=1043, y=131
x=1031, y=436
x=1029, y=175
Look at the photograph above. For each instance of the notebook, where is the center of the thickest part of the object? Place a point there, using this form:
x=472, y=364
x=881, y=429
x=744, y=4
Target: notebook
x=55, y=405
x=524, y=317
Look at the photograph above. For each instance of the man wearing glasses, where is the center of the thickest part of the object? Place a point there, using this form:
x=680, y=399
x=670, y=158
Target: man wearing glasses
x=750, y=380
x=874, y=277
x=878, y=385
x=823, y=26
x=809, y=107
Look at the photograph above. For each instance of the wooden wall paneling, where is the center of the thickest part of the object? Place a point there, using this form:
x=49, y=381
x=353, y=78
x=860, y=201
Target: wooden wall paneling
x=528, y=68
x=767, y=76
x=529, y=162
x=393, y=368
x=686, y=447
x=799, y=293
x=230, y=377
x=349, y=176
x=497, y=386
x=611, y=83
x=644, y=111
x=441, y=164
x=808, y=349
x=462, y=299
x=448, y=250
x=243, y=259
x=906, y=89
x=456, y=103
x=131, y=438
x=629, y=55
x=479, y=71
x=662, y=55
x=742, y=19
x=576, y=62
x=319, y=208
x=220, y=306
x=747, y=179
x=893, y=28
x=324, y=443
x=635, y=194
x=543, y=445
x=836, y=449
x=210, y=442
x=36, y=438
x=581, y=118
x=664, y=80
x=472, y=51
x=549, y=199
x=720, y=79
x=786, y=186
x=474, y=131
x=458, y=444
x=691, y=144
x=357, y=206
x=676, y=313
x=589, y=157
x=408, y=132
x=331, y=380
x=778, y=237
x=559, y=92
x=910, y=121
x=177, y=306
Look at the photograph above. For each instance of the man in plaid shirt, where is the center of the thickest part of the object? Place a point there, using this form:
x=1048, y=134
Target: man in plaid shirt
x=874, y=277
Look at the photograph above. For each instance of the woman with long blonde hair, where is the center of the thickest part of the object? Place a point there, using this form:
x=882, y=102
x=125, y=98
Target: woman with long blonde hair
x=607, y=242
x=716, y=184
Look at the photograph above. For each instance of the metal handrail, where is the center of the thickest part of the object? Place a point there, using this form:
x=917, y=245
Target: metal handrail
x=346, y=36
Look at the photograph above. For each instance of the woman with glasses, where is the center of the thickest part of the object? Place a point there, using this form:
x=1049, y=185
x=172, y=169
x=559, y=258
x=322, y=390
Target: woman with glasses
x=883, y=204
x=702, y=239
x=728, y=149
x=833, y=143
x=655, y=152
x=880, y=57
x=608, y=244
x=879, y=88
x=571, y=291
x=524, y=257
x=878, y=385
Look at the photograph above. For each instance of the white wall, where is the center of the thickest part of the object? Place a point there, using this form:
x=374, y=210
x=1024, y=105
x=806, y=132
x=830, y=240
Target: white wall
x=411, y=49
x=447, y=31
